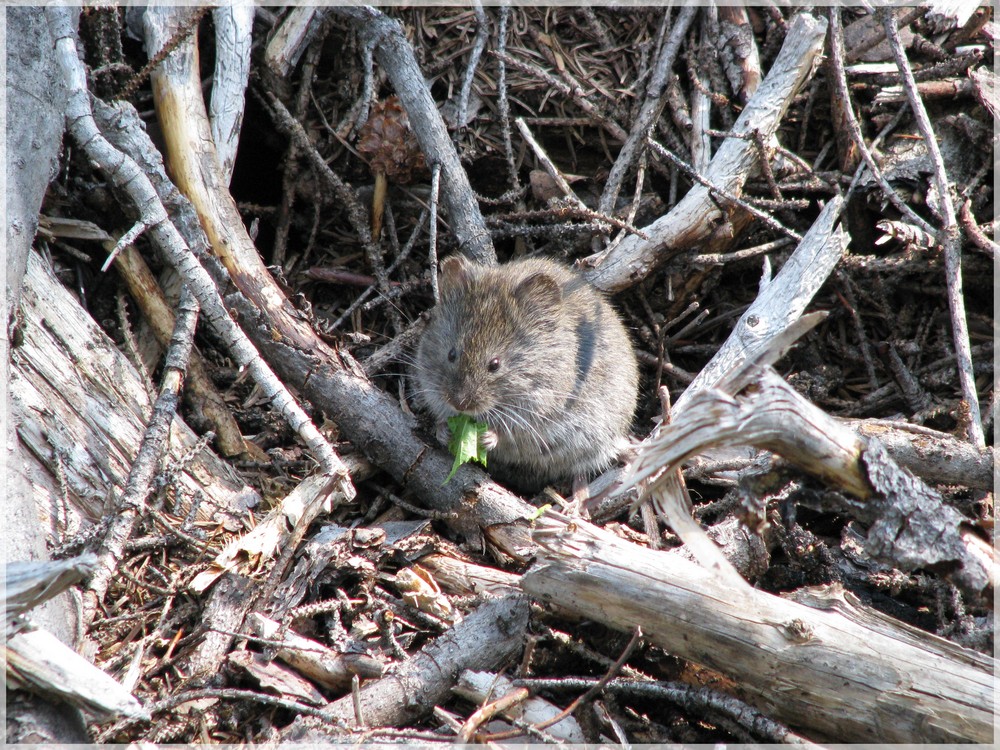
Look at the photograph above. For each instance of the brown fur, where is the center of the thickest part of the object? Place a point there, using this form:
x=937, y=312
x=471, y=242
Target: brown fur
x=541, y=357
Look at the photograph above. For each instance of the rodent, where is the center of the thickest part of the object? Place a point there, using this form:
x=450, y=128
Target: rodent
x=537, y=353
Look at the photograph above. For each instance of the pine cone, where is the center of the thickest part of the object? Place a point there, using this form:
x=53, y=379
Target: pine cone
x=388, y=143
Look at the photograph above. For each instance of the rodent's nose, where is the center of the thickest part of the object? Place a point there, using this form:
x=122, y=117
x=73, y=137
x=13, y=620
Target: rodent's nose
x=464, y=401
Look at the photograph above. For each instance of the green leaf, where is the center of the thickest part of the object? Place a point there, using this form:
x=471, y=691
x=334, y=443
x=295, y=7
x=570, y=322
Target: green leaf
x=466, y=442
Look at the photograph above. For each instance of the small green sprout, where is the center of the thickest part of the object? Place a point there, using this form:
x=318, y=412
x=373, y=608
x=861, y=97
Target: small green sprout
x=539, y=512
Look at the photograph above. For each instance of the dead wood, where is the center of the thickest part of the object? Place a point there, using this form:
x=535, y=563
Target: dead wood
x=34, y=89
x=486, y=639
x=37, y=661
x=482, y=688
x=291, y=37
x=740, y=58
x=124, y=172
x=695, y=218
x=315, y=661
x=200, y=394
x=394, y=53
x=329, y=607
x=60, y=402
x=467, y=579
x=233, y=25
x=948, y=236
x=909, y=524
x=652, y=106
x=935, y=457
x=772, y=318
x=138, y=486
x=834, y=669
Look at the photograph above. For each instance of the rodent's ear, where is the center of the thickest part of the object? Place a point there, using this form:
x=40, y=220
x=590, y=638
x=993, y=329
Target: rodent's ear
x=455, y=271
x=539, y=290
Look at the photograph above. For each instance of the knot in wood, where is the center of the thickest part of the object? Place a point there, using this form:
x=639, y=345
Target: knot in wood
x=797, y=631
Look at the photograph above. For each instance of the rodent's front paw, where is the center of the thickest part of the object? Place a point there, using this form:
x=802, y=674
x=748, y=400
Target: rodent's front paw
x=489, y=440
x=443, y=433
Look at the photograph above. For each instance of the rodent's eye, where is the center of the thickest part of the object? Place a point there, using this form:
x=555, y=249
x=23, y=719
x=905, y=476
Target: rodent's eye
x=494, y=364
x=453, y=354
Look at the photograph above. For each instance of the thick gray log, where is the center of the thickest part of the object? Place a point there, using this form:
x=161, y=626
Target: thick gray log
x=828, y=666
x=35, y=123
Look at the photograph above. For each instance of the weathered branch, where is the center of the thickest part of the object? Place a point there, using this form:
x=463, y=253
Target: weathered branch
x=696, y=216
x=948, y=236
x=487, y=638
x=147, y=458
x=233, y=24
x=651, y=108
x=395, y=55
x=834, y=670
x=125, y=174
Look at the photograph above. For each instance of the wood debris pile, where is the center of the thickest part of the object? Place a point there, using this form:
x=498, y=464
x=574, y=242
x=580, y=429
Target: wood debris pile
x=793, y=212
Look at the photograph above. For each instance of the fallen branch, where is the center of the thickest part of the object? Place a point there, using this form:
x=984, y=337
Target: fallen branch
x=322, y=665
x=910, y=526
x=233, y=27
x=948, y=235
x=36, y=660
x=487, y=638
x=395, y=55
x=124, y=173
x=147, y=459
x=695, y=218
x=514, y=704
x=776, y=310
x=652, y=106
x=936, y=457
x=834, y=670
x=200, y=394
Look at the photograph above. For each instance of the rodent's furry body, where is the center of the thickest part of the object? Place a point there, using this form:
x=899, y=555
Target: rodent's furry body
x=535, y=352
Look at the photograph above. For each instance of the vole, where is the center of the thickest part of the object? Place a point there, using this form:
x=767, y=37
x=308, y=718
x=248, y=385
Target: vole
x=534, y=351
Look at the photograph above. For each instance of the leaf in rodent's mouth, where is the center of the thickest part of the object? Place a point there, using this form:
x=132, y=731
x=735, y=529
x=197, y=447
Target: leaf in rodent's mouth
x=465, y=443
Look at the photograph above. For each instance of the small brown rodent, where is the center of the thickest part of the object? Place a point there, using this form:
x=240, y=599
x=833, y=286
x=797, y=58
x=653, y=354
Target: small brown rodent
x=534, y=351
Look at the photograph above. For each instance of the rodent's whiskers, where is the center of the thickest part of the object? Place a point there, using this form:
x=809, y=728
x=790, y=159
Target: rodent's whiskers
x=506, y=414
x=515, y=428
x=410, y=360
x=530, y=411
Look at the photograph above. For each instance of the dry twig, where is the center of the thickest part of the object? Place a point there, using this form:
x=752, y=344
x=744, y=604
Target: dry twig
x=949, y=236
